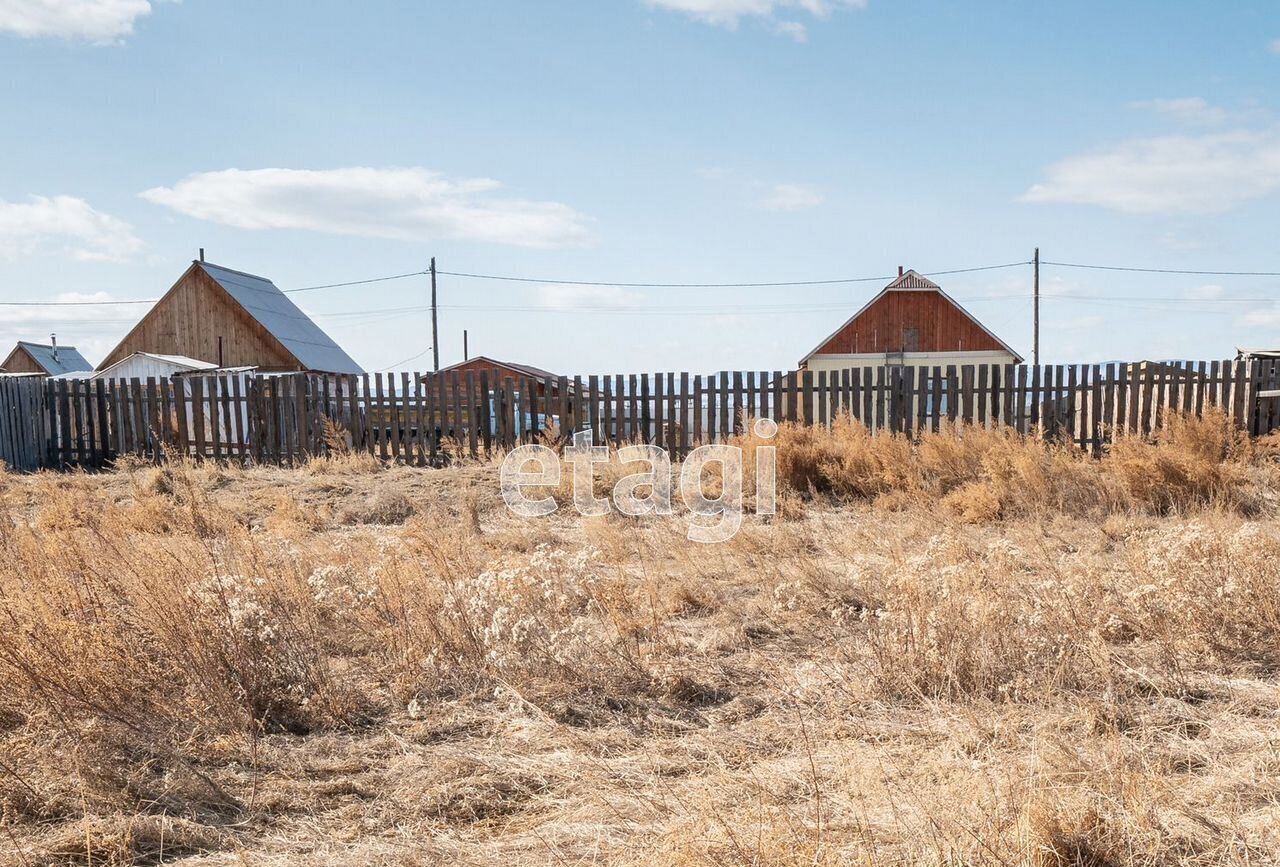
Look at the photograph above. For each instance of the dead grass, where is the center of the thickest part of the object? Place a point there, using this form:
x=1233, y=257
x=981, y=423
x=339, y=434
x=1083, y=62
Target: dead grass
x=975, y=649
x=981, y=474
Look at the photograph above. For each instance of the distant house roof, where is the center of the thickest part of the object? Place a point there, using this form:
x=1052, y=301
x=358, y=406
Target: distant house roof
x=1256, y=353
x=67, y=359
x=526, y=369
x=282, y=319
x=911, y=281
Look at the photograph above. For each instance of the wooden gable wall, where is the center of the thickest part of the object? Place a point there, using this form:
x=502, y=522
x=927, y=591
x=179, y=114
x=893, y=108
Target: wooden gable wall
x=939, y=326
x=20, y=361
x=188, y=321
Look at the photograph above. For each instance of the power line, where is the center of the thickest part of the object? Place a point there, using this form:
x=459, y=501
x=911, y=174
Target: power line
x=719, y=308
x=760, y=285
x=117, y=302
x=1163, y=270
x=406, y=361
x=356, y=282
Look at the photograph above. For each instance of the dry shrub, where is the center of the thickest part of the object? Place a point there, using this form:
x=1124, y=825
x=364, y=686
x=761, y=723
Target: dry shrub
x=345, y=463
x=982, y=474
x=1191, y=462
x=543, y=625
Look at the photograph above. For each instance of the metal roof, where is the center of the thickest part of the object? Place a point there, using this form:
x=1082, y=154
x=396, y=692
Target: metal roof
x=527, y=369
x=68, y=359
x=912, y=280
x=282, y=319
x=175, y=360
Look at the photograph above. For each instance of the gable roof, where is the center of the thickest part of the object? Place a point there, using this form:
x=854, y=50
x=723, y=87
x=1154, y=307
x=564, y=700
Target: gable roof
x=526, y=369
x=283, y=320
x=68, y=359
x=911, y=281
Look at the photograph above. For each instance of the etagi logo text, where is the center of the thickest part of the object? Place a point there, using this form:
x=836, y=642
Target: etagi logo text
x=712, y=519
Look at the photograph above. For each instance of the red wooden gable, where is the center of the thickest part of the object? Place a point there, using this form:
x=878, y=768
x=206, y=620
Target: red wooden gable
x=912, y=314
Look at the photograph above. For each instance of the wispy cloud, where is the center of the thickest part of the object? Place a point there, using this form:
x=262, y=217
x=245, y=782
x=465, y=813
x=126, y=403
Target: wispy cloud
x=1207, y=173
x=1266, y=314
x=728, y=13
x=64, y=225
x=792, y=197
x=92, y=330
x=1208, y=292
x=1189, y=110
x=410, y=204
x=591, y=297
x=1274, y=46
x=102, y=21
x=786, y=196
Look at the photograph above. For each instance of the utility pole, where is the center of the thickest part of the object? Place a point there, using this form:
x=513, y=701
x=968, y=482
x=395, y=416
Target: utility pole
x=1035, y=352
x=435, y=319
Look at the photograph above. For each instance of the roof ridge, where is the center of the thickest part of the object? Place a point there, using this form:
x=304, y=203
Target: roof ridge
x=203, y=263
x=43, y=345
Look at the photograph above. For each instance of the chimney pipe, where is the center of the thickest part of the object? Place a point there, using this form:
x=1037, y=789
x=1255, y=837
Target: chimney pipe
x=202, y=254
x=465, y=355
x=53, y=342
x=899, y=270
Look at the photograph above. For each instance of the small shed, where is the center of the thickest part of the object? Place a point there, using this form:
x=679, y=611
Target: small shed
x=45, y=359
x=217, y=387
x=149, y=364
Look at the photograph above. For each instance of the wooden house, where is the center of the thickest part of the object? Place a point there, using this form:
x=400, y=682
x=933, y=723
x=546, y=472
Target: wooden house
x=233, y=319
x=910, y=322
x=41, y=359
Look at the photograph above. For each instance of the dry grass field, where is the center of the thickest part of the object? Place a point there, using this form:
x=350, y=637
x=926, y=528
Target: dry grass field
x=975, y=650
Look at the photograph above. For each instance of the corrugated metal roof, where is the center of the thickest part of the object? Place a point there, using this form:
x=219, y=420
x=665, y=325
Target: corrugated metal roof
x=527, y=369
x=182, y=360
x=174, y=360
x=913, y=280
x=68, y=360
x=314, y=349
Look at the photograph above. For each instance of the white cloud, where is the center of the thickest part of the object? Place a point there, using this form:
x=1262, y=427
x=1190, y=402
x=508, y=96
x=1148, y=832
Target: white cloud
x=409, y=204
x=793, y=30
x=1274, y=46
x=792, y=197
x=1190, y=110
x=568, y=297
x=1266, y=314
x=94, y=20
x=64, y=225
x=1208, y=292
x=727, y=13
x=1207, y=173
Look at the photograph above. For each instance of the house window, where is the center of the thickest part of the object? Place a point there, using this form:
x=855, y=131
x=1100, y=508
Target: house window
x=911, y=340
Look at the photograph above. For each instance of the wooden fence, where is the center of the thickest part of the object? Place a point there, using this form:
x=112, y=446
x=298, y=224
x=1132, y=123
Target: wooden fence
x=432, y=419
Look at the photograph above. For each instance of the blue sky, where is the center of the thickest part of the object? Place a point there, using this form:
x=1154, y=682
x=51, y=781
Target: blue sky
x=652, y=141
